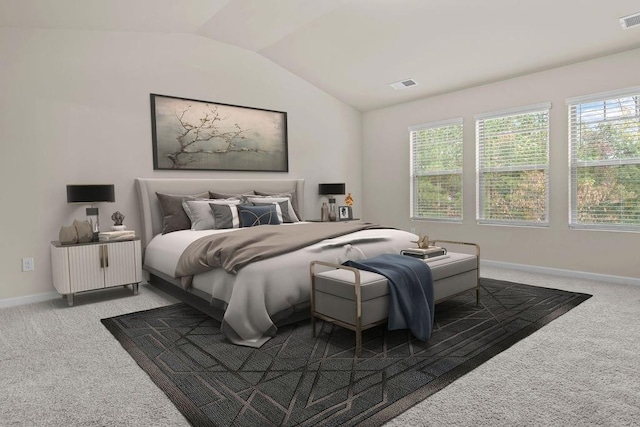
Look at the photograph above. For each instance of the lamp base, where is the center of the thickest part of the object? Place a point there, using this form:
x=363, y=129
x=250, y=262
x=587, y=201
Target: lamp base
x=333, y=216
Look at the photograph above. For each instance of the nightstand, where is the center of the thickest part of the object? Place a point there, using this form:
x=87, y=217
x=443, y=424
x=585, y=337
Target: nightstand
x=95, y=265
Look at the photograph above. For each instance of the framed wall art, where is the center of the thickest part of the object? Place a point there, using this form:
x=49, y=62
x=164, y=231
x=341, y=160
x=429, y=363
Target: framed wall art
x=189, y=134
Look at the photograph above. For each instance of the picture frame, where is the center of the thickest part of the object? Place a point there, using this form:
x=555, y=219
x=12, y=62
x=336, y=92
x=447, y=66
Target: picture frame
x=190, y=134
x=345, y=213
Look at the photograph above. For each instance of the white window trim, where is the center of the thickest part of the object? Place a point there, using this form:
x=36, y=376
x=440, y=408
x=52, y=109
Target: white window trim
x=544, y=106
x=603, y=96
x=441, y=123
x=513, y=111
x=575, y=164
x=431, y=125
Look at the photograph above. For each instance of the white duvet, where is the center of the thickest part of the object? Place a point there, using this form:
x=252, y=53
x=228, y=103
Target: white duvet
x=265, y=288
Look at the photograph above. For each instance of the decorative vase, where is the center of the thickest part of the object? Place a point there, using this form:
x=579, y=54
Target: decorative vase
x=68, y=235
x=85, y=232
x=324, y=212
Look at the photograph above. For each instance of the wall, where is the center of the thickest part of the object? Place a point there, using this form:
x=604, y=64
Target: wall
x=75, y=109
x=386, y=175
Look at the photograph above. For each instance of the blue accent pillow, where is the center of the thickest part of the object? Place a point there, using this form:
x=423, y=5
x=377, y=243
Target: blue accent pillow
x=250, y=216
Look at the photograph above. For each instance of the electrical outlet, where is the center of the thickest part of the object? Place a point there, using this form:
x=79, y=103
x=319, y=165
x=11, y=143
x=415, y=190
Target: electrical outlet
x=413, y=230
x=28, y=264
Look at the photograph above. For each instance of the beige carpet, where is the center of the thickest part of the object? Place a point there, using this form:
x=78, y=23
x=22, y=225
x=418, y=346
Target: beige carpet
x=60, y=366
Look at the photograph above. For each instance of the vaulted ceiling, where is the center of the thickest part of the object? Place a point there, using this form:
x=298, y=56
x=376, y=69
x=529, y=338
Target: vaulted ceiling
x=353, y=49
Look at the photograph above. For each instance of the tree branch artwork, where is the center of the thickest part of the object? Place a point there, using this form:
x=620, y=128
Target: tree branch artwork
x=200, y=135
x=204, y=130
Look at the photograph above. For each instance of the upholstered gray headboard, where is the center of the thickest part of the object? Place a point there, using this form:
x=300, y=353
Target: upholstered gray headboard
x=151, y=214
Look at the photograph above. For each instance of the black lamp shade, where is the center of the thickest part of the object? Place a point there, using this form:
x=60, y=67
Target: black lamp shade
x=331, y=189
x=91, y=193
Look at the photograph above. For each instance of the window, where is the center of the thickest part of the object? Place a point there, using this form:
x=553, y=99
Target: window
x=604, y=144
x=436, y=171
x=513, y=166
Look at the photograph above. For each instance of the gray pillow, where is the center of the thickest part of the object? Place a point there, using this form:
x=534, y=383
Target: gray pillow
x=200, y=214
x=242, y=196
x=175, y=218
x=291, y=194
x=224, y=216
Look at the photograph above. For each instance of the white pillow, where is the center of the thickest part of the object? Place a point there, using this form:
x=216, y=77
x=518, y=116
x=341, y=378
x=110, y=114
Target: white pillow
x=288, y=214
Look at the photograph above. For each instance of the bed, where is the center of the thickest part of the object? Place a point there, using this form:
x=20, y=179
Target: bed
x=255, y=298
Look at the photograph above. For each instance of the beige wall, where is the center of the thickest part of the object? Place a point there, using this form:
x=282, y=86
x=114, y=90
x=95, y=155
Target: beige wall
x=75, y=109
x=386, y=172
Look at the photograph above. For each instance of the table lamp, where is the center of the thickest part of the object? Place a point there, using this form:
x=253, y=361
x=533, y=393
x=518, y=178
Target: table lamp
x=91, y=194
x=331, y=190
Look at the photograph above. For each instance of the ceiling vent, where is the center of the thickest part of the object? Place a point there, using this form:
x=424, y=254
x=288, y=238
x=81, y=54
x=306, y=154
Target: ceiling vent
x=403, y=84
x=630, y=21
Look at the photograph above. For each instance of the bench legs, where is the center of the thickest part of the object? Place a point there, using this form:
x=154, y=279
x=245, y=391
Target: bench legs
x=358, y=343
x=477, y=248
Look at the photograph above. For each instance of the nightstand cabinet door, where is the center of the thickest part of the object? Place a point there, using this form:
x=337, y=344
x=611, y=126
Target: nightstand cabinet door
x=122, y=263
x=85, y=269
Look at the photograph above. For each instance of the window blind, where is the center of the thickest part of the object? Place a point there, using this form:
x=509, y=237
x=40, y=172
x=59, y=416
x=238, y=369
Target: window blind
x=604, y=144
x=436, y=171
x=512, y=166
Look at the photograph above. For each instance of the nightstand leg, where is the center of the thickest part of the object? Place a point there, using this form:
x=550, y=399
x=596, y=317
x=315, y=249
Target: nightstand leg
x=135, y=288
x=70, y=299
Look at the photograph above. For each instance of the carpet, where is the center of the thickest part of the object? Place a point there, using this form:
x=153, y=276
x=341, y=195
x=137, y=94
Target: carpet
x=297, y=379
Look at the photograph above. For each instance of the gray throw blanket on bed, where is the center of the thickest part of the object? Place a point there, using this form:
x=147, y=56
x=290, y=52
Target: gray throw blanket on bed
x=232, y=251
x=410, y=288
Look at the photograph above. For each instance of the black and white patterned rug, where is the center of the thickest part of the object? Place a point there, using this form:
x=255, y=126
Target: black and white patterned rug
x=296, y=379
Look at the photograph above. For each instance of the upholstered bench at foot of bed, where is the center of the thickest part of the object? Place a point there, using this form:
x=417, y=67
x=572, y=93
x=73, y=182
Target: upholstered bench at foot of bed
x=359, y=300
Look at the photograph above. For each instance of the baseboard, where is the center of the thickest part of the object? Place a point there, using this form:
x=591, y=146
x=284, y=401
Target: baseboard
x=563, y=273
x=29, y=299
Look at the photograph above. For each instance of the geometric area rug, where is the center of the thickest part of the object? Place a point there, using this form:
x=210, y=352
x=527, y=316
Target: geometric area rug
x=296, y=379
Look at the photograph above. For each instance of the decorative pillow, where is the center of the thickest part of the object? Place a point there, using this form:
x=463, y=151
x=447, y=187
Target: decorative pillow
x=283, y=203
x=199, y=214
x=289, y=216
x=242, y=197
x=251, y=216
x=224, y=216
x=291, y=194
x=175, y=218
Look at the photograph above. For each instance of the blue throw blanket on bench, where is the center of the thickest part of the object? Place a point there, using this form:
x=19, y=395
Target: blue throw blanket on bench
x=410, y=289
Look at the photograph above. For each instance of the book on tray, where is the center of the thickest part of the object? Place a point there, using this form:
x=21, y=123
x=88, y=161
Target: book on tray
x=424, y=253
x=107, y=236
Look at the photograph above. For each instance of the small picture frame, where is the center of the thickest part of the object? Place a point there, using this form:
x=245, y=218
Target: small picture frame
x=344, y=213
